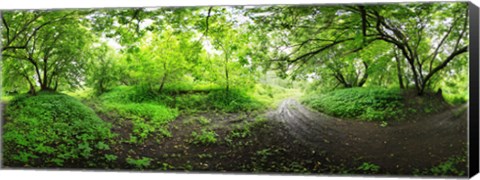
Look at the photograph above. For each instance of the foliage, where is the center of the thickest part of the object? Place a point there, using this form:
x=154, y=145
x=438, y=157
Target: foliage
x=450, y=167
x=141, y=163
x=162, y=58
x=104, y=71
x=110, y=157
x=203, y=121
x=147, y=117
x=271, y=95
x=50, y=45
x=205, y=137
x=232, y=101
x=346, y=40
x=370, y=104
x=369, y=167
x=52, y=129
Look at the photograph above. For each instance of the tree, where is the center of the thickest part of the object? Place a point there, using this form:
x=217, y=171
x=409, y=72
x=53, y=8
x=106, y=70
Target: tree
x=104, y=71
x=231, y=39
x=53, y=52
x=162, y=58
x=417, y=30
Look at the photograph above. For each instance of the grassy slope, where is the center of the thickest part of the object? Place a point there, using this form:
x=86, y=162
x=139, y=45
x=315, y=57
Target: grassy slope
x=373, y=104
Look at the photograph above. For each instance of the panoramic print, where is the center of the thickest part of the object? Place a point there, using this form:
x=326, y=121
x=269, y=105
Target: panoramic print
x=348, y=89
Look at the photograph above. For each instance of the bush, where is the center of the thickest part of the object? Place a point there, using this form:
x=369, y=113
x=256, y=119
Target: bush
x=370, y=104
x=51, y=129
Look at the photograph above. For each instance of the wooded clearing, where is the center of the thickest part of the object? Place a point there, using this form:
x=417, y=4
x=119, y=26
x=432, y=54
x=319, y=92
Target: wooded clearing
x=331, y=89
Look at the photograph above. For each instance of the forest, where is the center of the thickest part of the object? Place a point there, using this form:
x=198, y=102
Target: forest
x=309, y=89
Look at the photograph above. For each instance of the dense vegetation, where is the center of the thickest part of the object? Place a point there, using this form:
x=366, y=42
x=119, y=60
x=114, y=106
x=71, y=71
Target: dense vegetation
x=51, y=129
x=89, y=85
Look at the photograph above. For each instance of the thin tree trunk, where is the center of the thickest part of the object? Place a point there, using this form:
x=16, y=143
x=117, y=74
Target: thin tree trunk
x=162, y=84
x=164, y=78
x=365, y=75
x=399, y=70
x=56, y=85
x=226, y=72
x=44, y=84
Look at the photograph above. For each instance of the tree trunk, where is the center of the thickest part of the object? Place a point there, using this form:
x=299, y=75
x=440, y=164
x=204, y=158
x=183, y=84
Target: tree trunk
x=162, y=84
x=164, y=78
x=44, y=84
x=56, y=85
x=399, y=70
x=365, y=75
x=226, y=73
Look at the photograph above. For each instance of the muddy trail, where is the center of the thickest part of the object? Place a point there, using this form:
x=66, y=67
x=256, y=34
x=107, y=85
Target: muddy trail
x=397, y=147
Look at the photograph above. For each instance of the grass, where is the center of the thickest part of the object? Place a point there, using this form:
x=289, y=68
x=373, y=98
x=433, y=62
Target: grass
x=271, y=95
x=368, y=104
x=148, y=117
x=190, y=100
x=50, y=129
x=233, y=101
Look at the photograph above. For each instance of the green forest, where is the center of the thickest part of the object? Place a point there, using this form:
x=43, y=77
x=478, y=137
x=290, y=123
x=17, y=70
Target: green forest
x=310, y=89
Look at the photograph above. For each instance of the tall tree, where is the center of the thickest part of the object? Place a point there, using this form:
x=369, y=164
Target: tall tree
x=428, y=35
x=53, y=52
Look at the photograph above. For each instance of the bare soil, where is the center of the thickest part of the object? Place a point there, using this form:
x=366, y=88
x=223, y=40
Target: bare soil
x=399, y=147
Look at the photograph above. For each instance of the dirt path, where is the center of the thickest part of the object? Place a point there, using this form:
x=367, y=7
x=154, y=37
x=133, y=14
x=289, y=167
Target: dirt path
x=398, y=147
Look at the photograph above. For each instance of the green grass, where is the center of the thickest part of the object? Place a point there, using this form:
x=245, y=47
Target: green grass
x=271, y=95
x=81, y=94
x=51, y=129
x=148, y=117
x=151, y=111
x=369, y=104
x=204, y=100
x=232, y=101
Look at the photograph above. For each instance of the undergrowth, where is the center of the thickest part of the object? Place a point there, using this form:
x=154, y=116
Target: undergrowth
x=148, y=117
x=369, y=104
x=450, y=167
x=51, y=129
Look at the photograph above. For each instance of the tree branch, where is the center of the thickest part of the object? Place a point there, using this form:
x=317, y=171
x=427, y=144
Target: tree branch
x=445, y=62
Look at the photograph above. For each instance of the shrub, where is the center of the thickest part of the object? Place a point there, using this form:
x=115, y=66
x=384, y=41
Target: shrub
x=51, y=129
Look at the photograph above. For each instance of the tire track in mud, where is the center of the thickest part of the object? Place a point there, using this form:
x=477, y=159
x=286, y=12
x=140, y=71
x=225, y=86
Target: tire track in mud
x=400, y=146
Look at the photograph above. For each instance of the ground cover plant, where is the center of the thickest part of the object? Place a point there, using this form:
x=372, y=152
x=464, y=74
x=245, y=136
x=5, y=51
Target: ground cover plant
x=338, y=89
